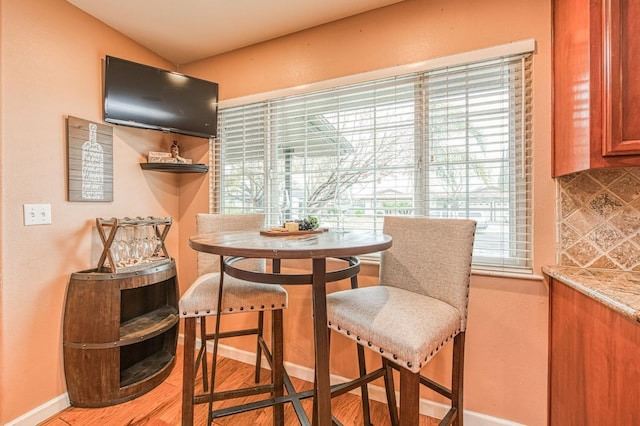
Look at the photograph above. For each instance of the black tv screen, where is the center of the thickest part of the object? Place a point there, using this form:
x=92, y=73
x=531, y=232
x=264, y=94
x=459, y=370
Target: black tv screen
x=143, y=96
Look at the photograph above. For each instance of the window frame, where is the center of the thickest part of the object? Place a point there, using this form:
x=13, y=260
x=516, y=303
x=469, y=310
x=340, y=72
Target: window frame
x=518, y=48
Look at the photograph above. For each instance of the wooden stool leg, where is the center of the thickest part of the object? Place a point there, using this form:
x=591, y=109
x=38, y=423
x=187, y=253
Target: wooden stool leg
x=409, y=398
x=188, y=369
x=390, y=389
x=457, y=378
x=364, y=390
x=203, y=352
x=216, y=338
x=277, y=371
x=258, y=346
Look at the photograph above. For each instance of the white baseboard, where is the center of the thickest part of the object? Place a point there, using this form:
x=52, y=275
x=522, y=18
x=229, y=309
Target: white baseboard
x=43, y=412
x=376, y=393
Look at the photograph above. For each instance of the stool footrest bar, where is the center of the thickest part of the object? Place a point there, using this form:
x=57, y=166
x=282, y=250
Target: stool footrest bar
x=231, y=394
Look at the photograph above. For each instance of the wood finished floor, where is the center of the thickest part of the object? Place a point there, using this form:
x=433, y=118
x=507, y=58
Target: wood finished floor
x=161, y=406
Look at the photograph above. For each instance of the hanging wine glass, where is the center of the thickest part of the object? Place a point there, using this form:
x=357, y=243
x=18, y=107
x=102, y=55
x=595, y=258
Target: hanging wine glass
x=343, y=203
x=138, y=243
x=149, y=243
x=127, y=244
x=116, y=250
x=284, y=207
x=122, y=246
x=157, y=242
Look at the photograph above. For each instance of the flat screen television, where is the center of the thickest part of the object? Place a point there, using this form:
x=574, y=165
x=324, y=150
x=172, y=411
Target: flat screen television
x=139, y=95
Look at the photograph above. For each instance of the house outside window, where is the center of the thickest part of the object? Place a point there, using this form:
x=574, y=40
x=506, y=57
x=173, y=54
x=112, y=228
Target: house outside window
x=452, y=142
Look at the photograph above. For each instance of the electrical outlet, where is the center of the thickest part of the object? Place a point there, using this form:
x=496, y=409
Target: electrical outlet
x=37, y=214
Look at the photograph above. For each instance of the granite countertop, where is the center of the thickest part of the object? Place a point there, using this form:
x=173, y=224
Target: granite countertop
x=619, y=290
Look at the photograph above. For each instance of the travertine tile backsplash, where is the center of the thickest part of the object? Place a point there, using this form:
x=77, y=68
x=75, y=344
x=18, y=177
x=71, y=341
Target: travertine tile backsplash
x=599, y=219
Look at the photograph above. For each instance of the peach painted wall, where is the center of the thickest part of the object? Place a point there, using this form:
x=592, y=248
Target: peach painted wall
x=50, y=61
x=50, y=68
x=506, y=356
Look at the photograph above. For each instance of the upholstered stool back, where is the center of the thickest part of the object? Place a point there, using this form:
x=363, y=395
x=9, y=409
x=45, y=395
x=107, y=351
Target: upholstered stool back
x=430, y=257
x=207, y=223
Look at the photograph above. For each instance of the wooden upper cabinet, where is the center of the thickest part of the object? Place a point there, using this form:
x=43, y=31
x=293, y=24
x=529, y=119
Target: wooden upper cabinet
x=622, y=77
x=596, y=98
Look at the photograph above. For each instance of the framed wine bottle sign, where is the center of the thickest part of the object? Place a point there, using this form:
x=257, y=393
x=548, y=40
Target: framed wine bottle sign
x=90, y=160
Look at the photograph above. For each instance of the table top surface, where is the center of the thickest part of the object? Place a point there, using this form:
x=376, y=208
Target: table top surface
x=322, y=245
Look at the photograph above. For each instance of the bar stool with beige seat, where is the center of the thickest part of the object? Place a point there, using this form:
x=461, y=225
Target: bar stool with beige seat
x=202, y=299
x=418, y=307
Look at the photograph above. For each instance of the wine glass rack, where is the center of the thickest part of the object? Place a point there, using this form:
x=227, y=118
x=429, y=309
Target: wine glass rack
x=132, y=244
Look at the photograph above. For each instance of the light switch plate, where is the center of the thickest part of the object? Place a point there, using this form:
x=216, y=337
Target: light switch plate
x=37, y=214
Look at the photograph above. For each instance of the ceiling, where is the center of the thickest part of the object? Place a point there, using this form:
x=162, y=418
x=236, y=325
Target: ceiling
x=189, y=30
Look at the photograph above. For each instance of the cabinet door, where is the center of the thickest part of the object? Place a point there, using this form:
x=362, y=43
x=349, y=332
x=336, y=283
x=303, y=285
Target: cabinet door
x=621, y=77
x=594, y=369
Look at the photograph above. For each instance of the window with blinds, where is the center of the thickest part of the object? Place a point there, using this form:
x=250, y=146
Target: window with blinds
x=449, y=143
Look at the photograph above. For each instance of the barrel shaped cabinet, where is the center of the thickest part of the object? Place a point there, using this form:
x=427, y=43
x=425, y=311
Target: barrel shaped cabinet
x=119, y=333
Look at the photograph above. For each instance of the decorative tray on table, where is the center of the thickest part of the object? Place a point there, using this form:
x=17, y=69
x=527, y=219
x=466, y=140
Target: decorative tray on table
x=282, y=232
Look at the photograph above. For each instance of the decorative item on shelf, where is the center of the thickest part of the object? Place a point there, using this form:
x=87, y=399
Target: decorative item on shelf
x=167, y=158
x=175, y=149
x=132, y=244
x=160, y=157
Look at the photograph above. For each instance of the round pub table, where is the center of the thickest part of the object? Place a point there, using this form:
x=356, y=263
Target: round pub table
x=236, y=245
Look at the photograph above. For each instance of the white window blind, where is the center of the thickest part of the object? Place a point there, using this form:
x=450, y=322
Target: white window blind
x=452, y=142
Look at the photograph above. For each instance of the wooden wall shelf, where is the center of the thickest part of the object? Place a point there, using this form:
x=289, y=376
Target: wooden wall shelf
x=175, y=168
